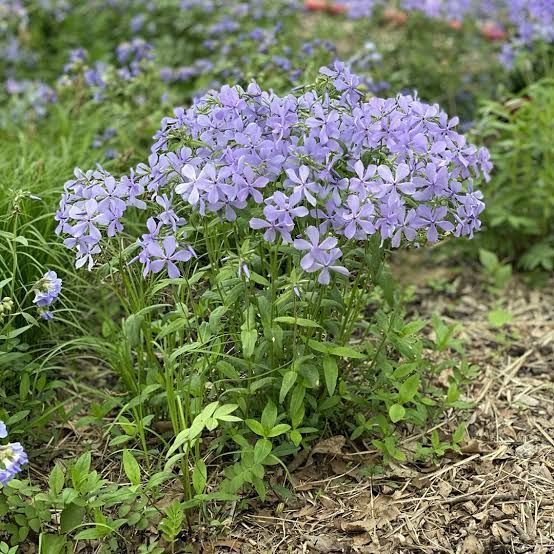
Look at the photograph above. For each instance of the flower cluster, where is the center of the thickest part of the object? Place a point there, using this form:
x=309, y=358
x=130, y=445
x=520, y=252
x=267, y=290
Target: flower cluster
x=12, y=458
x=131, y=60
x=31, y=98
x=14, y=19
x=326, y=163
x=47, y=290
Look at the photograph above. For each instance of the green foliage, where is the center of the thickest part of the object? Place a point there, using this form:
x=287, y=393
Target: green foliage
x=497, y=273
x=519, y=218
x=79, y=505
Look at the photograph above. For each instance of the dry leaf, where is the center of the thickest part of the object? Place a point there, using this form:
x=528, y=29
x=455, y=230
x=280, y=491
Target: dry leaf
x=332, y=446
x=472, y=545
x=324, y=544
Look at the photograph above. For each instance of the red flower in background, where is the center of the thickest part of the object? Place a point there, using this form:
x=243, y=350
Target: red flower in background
x=395, y=17
x=493, y=31
x=315, y=5
x=455, y=24
x=333, y=8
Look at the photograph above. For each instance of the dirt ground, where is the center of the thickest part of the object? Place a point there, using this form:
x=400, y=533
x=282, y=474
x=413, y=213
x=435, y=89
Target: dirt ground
x=496, y=496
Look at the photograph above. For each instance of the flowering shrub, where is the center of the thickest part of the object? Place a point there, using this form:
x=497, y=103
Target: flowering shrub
x=12, y=457
x=271, y=216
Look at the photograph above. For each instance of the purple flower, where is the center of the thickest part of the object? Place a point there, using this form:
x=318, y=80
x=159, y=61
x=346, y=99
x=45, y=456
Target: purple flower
x=358, y=218
x=166, y=254
x=283, y=209
x=248, y=184
x=364, y=182
x=12, y=458
x=47, y=290
x=315, y=249
x=393, y=184
x=325, y=264
x=272, y=229
x=433, y=185
x=408, y=225
x=432, y=218
x=303, y=186
x=324, y=158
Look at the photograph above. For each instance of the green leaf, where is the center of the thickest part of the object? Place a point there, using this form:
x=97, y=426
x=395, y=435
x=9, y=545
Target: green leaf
x=80, y=471
x=279, y=429
x=52, y=544
x=56, y=479
x=199, y=476
x=256, y=278
x=499, y=318
x=289, y=378
x=397, y=413
x=331, y=372
x=131, y=467
x=256, y=427
x=335, y=349
x=488, y=259
x=71, y=517
x=132, y=327
x=412, y=328
x=248, y=339
x=97, y=532
x=224, y=410
x=260, y=487
x=181, y=438
x=295, y=437
x=301, y=322
x=4, y=282
x=215, y=318
x=408, y=389
x=346, y=352
x=262, y=449
x=269, y=415
x=459, y=434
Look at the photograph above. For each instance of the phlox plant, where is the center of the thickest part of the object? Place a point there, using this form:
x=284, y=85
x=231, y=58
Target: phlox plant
x=145, y=52
x=245, y=251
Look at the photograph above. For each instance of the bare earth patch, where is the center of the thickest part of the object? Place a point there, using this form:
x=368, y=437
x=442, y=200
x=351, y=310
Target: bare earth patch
x=497, y=496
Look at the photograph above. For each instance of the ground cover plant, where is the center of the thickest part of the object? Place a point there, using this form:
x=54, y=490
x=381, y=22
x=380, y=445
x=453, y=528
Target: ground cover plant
x=230, y=235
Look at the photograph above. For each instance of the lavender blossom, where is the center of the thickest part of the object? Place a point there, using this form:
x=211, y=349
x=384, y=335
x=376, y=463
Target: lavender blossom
x=12, y=458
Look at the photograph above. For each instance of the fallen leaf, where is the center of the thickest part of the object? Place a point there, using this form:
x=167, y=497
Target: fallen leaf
x=472, y=545
x=332, y=446
x=324, y=544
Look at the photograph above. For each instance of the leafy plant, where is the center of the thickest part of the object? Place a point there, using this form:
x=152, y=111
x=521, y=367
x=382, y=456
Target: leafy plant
x=519, y=223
